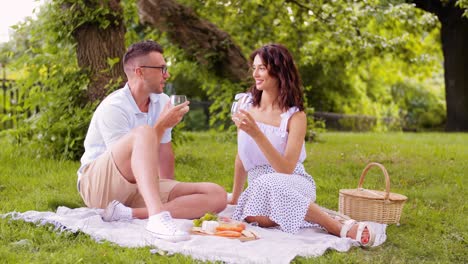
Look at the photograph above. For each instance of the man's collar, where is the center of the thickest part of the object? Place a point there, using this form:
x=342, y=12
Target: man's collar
x=154, y=98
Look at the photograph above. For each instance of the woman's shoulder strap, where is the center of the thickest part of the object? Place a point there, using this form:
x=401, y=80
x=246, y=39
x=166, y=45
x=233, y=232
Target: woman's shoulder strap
x=286, y=116
x=244, y=99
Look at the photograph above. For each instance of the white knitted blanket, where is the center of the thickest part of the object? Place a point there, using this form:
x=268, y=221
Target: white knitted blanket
x=273, y=246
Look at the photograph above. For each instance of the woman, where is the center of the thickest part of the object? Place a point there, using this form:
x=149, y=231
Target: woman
x=271, y=151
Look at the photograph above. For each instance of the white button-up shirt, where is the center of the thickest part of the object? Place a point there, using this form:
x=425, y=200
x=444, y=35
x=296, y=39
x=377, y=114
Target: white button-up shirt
x=115, y=116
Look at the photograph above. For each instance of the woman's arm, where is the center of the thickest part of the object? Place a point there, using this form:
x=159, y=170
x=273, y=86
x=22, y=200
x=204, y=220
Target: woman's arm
x=239, y=180
x=297, y=130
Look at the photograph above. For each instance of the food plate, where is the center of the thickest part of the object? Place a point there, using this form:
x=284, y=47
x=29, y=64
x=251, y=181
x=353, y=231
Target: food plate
x=213, y=225
x=243, y=238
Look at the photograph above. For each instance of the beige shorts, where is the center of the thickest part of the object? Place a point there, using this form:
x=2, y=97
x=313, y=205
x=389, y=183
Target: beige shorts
x=101, y=182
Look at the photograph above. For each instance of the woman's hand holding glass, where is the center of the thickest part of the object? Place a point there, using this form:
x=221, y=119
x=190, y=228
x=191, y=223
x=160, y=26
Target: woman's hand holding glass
x=237, y=106
x=234, y=109
x=245, y=122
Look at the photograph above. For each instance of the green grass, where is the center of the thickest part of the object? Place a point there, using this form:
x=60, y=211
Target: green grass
x=429, y=168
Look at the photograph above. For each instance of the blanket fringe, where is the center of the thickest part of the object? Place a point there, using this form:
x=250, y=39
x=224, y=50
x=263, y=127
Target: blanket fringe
x=40, y=221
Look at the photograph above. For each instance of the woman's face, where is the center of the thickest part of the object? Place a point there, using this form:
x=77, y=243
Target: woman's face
x=263, y=80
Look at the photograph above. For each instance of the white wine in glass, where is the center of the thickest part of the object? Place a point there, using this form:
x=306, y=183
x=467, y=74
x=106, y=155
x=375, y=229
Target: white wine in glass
x=178, y=99
x=235, y=108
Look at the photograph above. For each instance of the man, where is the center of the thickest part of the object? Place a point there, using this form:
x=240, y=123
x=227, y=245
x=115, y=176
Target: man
x=128, y=147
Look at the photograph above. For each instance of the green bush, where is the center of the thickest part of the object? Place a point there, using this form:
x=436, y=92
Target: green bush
x=57, y=130
x=420, y=107
x=314, y=126
x=195, y=120
x=358, y=123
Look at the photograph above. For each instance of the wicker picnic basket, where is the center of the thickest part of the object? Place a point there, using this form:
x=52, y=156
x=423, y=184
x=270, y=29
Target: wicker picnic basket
x=371, y=205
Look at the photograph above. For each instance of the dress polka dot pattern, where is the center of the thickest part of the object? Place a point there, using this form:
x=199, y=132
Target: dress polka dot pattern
x=284, y=198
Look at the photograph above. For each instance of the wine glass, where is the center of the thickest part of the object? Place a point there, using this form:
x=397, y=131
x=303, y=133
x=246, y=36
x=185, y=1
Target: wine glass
x=178, y=99
x=235, y=108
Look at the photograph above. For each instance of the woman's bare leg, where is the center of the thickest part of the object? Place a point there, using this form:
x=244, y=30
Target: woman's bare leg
x=263, y=221
x=333, y=226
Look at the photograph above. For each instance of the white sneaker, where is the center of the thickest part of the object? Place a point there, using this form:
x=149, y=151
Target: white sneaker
x=162, y=226
x=116, y=211
x=229, y=197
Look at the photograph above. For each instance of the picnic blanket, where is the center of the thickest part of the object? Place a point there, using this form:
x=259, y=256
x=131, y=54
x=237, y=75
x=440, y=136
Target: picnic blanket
x=274, y=246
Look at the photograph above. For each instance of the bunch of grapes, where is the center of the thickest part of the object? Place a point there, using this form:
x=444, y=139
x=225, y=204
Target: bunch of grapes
x=206, y=217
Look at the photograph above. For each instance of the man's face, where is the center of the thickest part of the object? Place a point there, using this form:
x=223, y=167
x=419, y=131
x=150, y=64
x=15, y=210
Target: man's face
x=153, y=78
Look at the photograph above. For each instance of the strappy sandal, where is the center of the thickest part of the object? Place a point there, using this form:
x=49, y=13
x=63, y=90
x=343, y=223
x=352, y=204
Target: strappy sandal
x=348, y=224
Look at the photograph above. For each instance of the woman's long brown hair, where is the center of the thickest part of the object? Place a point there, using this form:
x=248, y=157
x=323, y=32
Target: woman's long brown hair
x=280, y=65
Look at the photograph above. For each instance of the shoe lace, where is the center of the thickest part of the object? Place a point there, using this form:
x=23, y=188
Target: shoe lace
x=168, y=222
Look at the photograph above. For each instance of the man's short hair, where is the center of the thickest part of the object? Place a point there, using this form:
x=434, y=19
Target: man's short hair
x=141, y=49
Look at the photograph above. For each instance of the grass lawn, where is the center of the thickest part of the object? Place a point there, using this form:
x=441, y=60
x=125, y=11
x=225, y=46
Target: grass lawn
x=429, y=168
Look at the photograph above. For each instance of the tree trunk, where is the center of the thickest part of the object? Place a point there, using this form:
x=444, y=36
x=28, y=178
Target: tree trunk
x=201, y=40
x=454, y=37
x=95, y=46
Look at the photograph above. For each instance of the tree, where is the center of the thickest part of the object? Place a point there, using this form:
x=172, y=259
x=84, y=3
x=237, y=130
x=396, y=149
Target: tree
x=99, y=33
x=360, y=57
x=454, y=38
x=351, y=54
x=200, y=39
x=98, y=46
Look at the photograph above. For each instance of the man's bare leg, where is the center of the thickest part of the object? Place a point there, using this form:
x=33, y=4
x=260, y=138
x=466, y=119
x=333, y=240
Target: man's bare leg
x=136, y=156
x=191, y=200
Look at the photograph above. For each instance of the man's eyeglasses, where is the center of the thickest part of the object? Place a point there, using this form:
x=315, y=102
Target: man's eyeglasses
x=163, y=68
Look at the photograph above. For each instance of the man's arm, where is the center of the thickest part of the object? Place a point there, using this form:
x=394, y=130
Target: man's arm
x=166, y=161
x=169, y=117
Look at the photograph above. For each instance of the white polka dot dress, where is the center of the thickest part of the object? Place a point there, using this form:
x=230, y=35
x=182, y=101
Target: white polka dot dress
x=284, y=198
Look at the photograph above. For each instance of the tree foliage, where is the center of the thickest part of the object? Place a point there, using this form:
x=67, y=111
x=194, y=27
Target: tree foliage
x=351, y=54
x=372, y=57
x=52, y=86
x=463, y=4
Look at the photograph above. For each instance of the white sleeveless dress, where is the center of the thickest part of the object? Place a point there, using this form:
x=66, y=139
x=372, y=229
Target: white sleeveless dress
x=284, y=198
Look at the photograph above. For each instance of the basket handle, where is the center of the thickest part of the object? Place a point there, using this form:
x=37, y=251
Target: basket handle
x=387, y=178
